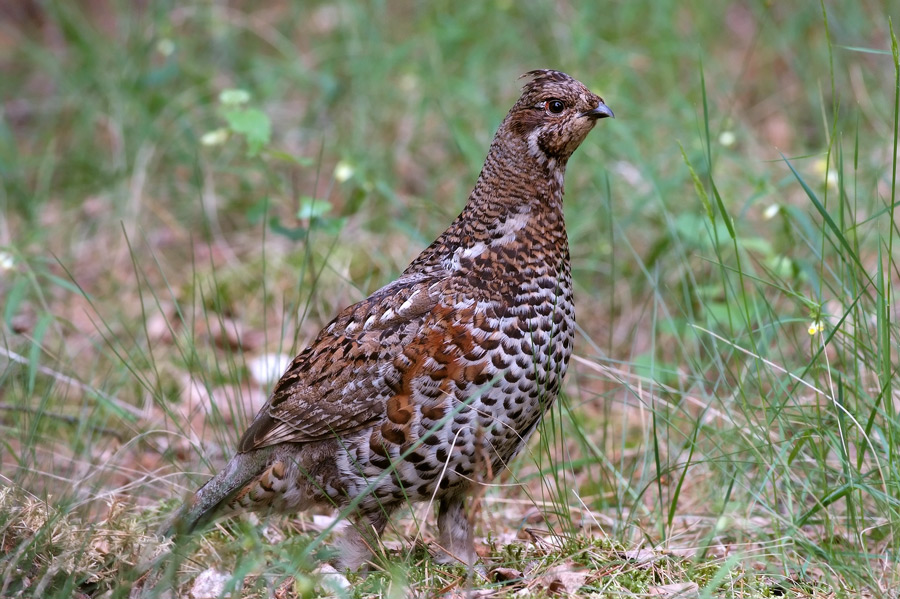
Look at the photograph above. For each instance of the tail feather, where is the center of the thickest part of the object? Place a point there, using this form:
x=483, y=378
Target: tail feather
x=218, y=491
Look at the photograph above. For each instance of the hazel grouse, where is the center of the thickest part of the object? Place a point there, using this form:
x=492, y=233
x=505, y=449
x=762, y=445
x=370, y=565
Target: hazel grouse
x=431, y=385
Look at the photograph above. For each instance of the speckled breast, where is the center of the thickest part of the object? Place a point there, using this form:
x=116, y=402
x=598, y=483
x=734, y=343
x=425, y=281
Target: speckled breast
x=499, y=351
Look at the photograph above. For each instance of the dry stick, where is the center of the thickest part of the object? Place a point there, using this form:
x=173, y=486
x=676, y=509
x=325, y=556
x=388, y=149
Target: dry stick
x=62, y=417
x=65, y=379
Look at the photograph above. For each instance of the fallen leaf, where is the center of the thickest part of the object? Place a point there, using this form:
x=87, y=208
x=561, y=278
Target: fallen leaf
x=506, y=575
x=563, y=580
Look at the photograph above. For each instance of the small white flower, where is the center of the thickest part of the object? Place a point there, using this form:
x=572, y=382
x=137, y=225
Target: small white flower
x=7, y=262
x=343, y=171
x=727, y=138
x=165, y=46
x=409, y=83
x=234, y=97
x=214, y=138
x=816, y=326
x=771, y=211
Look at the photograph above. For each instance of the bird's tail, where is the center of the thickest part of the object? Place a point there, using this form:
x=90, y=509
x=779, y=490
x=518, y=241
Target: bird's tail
x=218, y=491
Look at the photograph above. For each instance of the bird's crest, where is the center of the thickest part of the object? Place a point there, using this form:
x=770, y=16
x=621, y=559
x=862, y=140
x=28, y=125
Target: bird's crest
x=542, y=76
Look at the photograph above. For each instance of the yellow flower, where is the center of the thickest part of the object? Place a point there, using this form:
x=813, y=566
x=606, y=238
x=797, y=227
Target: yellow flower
x=829, y=176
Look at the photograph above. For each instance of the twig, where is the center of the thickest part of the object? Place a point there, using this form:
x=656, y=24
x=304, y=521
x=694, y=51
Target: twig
x=62, y=378
x=63, y=417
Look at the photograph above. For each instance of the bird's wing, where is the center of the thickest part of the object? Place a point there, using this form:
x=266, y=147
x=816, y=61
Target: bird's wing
x=337, y=384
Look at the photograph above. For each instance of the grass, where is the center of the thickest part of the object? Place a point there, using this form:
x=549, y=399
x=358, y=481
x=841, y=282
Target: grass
x=730, y=420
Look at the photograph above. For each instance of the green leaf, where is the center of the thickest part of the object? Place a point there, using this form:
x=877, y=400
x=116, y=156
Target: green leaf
x=698, y=185
x=292, y=233
x=298, y=160
x=330, y=226
x=311, y=208
x=14, y=300
x=827, y=217
x=253, y=124
x=34, y=352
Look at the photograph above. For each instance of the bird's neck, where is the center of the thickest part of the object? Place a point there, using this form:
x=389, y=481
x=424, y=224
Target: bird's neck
x=518, y=195
x=516, y=177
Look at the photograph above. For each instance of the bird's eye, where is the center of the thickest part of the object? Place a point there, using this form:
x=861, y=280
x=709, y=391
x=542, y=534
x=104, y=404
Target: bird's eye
x=555, y=106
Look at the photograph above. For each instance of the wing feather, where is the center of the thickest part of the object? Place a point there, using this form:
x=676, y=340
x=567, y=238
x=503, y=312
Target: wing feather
x=337, y=385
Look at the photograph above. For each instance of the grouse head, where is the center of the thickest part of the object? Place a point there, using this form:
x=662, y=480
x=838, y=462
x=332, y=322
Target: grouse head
x=553, y=116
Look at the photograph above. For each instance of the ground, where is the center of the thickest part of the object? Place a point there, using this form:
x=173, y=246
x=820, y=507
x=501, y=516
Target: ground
x=190, y=191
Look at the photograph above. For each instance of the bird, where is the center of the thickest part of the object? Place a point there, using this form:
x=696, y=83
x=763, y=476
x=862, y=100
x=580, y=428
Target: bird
x=426, y=389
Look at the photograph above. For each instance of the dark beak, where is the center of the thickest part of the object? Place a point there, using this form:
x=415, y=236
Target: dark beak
x=601, y=112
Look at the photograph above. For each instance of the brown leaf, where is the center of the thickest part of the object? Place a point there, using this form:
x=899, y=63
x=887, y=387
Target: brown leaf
x=563, y=580
x=500, y=574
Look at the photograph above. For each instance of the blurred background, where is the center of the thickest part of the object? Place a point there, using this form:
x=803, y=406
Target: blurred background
x=189, y=191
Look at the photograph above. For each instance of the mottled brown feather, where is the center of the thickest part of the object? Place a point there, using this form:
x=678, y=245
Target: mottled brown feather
x=308, y=402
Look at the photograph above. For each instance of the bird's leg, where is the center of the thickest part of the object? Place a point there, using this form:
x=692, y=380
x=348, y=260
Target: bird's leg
x=360, y=539
x=456, y=536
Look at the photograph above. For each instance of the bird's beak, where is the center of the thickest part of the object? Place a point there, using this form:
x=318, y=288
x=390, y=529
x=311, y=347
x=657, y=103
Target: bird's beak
x=600, y=112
